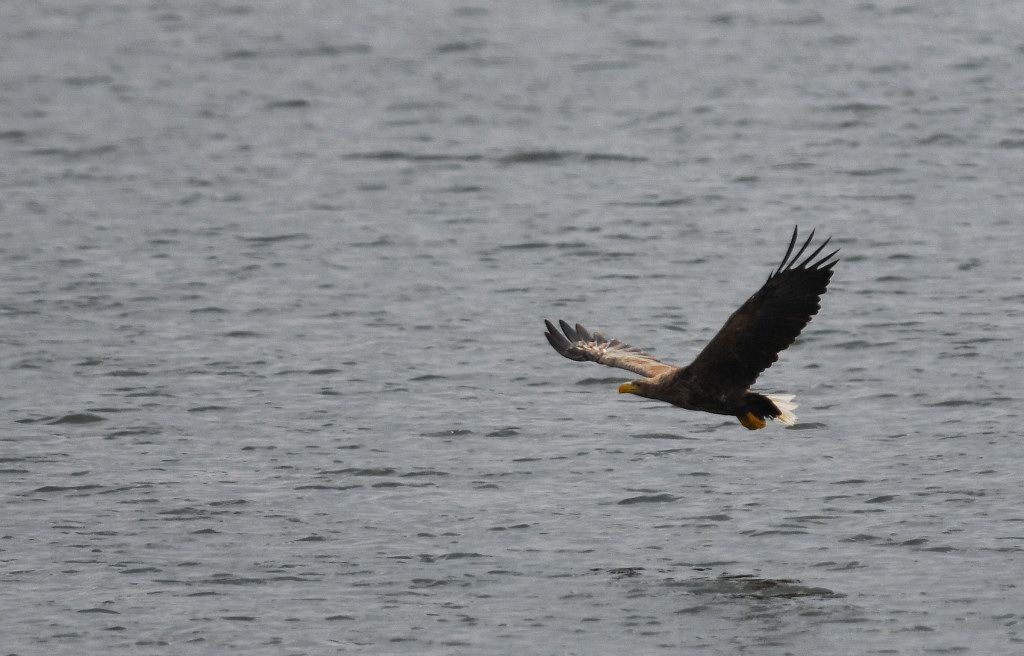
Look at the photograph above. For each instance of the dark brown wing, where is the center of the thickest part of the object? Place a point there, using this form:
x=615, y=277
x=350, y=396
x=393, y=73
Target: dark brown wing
x=578, y=344
x=768, y=322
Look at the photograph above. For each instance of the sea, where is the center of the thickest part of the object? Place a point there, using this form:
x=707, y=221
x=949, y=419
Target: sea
x=273, y=278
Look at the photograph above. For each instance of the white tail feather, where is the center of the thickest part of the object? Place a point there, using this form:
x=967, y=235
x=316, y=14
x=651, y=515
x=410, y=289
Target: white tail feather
x=784, y=402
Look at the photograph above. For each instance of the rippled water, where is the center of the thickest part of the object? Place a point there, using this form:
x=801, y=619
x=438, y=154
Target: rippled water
x=274, y=278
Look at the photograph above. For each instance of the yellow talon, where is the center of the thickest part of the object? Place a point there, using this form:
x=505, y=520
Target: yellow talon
x=751, y=421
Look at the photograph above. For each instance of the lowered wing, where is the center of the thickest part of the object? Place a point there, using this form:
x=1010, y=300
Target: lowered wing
x=578, y=344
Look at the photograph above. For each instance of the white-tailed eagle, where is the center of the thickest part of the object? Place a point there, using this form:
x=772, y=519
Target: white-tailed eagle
x=719, y=378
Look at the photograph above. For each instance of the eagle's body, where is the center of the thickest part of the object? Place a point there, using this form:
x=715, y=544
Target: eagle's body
x=719, y=378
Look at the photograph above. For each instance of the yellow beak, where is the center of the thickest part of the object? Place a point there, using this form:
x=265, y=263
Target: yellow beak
x=627, y=388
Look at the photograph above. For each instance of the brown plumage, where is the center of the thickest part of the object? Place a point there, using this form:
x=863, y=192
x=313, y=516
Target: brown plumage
x=719, y=378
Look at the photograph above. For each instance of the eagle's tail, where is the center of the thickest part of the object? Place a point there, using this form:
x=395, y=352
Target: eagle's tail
x=784, y=404
x=759, y=407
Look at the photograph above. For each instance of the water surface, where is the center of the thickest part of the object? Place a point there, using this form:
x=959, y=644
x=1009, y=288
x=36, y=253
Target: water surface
x=272, y=300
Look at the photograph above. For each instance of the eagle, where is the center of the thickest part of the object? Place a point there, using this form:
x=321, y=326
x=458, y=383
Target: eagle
x=719, y=378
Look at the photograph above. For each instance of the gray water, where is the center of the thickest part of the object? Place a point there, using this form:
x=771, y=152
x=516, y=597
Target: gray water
x=275, y=380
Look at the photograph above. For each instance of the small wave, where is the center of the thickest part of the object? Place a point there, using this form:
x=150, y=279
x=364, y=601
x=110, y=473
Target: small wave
x=78, y=418
x=648, y=498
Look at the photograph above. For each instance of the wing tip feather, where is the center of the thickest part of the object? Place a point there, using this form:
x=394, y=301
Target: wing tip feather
x=792, y=260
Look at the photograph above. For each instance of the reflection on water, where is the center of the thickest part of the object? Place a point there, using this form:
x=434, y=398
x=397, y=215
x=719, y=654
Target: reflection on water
x=747, y=585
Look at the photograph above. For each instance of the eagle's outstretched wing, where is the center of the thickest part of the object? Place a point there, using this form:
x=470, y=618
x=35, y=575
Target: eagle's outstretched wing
x=768, y=322
x=578, y=344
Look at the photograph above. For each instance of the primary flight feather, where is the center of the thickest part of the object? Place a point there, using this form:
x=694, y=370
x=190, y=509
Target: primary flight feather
x=719, y=378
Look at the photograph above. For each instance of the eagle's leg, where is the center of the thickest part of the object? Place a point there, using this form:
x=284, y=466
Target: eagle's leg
x=751, y=421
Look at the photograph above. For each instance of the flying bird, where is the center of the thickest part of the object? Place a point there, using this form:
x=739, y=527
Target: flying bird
x=719, y=378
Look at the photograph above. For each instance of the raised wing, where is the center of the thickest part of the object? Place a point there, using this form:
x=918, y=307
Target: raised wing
x=769, y=321
x=578, y=344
